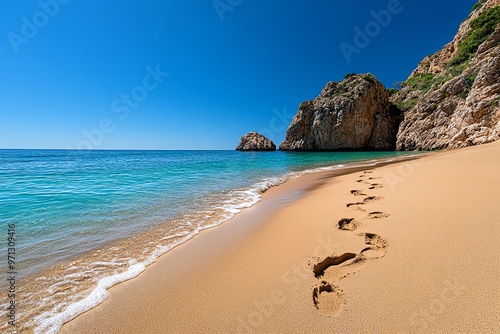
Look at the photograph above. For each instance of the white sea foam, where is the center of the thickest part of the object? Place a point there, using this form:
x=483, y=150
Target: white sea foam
x=52, y=321
x=49, y=323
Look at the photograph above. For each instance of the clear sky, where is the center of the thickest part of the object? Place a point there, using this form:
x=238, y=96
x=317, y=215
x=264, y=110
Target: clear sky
x=195, y=74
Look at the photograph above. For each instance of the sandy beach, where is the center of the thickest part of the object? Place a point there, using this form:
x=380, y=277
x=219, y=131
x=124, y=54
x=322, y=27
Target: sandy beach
x=410, y=247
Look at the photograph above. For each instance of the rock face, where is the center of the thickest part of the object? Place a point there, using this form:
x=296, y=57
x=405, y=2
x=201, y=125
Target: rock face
x=254, y=141
x=452, y=99
x=352, y=114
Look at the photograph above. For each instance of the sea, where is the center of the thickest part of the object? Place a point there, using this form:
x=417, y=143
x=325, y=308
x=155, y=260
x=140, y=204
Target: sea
x=76, y=222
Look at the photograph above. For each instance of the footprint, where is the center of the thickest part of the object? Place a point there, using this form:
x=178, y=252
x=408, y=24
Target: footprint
x=357, y=193
x=377, y=215
x=373, y=253
x=374, y=178
x=376, y=247
x=368, y=171
x=372, y=198
x=348, y=224
x=366, y=200
x=328, y=299
x=319, y=268
x=375, y=240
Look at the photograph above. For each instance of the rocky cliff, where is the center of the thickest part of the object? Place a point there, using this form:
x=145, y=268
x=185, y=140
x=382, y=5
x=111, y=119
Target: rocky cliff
x=451, y=100
x=254, y=141
x=352, y=114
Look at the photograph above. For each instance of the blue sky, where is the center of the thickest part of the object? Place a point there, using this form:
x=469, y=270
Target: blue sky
x=194, y=74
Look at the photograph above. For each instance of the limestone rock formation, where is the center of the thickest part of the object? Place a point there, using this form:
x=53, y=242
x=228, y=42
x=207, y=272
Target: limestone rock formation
x=254, y=141
x=452, y=99
x=352, y=114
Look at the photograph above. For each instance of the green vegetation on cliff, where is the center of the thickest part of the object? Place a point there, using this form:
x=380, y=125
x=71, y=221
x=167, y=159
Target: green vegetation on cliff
x=405, y=105
x=480, y=29
x=306, y=106
x=478, y=5
x=424, y=81
x=420, y=81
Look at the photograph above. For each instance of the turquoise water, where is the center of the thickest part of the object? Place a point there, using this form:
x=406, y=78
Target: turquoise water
x=86, y=220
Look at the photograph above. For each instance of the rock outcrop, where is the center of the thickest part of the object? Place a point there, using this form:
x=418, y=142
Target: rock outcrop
x=452, y=99
x=254, y=141
x=352, y=114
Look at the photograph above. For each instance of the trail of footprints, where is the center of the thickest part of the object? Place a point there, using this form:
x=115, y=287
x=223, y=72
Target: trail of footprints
x=328, y=297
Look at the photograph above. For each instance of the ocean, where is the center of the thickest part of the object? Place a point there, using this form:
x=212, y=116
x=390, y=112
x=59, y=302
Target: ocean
x=82, y=221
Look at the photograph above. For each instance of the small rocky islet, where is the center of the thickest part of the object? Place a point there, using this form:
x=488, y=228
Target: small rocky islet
x=254, y=141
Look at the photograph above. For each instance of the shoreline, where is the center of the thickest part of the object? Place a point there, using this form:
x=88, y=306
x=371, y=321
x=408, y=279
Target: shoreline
x=231, y=244
x=94, y=297
x=318, y=176
x=53, y=314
